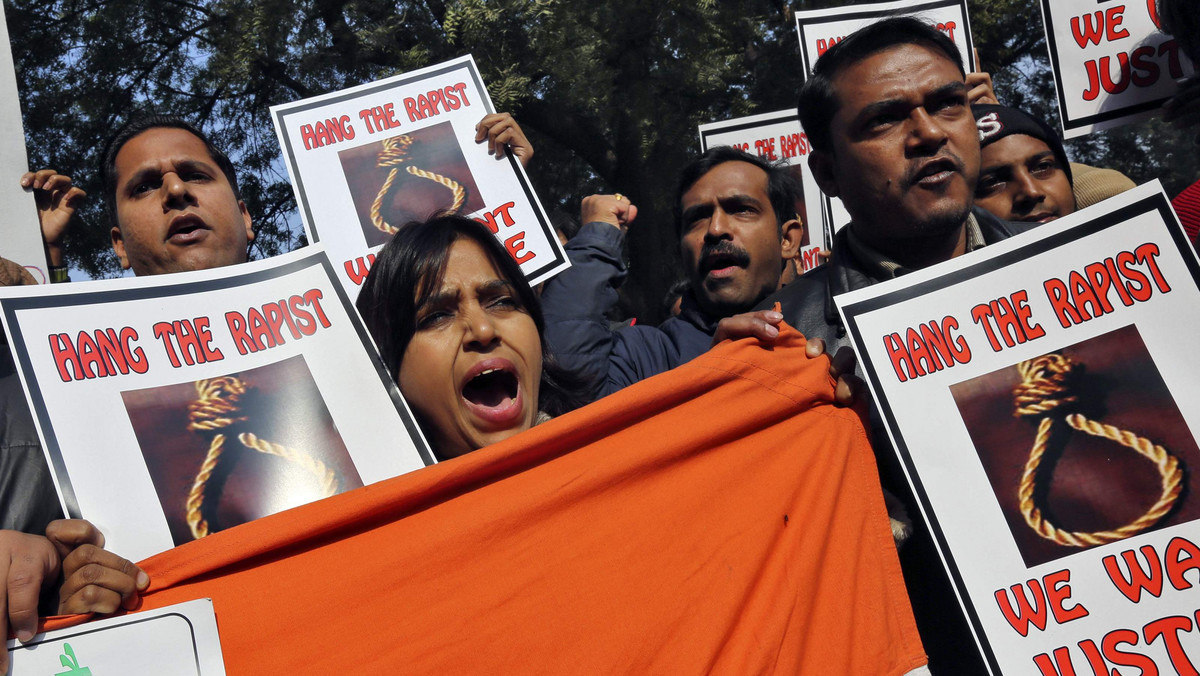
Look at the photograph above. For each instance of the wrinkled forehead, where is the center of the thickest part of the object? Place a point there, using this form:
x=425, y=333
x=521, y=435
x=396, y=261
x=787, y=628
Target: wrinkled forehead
x=901, y=71
x=727, y=179
x=161, y=147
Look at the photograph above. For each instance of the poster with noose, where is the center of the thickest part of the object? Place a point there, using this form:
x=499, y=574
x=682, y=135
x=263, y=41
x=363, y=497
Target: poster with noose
x=1041, y=395
x=366, y=160
x=172, y=408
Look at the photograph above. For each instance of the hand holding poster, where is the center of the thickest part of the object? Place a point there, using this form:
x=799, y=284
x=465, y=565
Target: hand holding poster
x=366, y=160
x=1112, y=65
x=20, y=234
x=173, y=407
x=1041, y=394
x=778, y=136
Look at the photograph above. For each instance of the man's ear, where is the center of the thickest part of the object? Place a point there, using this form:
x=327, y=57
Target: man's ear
x=791, y=234
x=820, y=162
x=246, y=221
x=118, y=245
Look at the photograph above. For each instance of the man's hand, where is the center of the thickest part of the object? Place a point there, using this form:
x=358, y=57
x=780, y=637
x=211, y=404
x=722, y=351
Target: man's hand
x=850, y=388
x=616, y=210
x=763, y=325
x=56, y=200
x=95, y=580
x=503, y=134
x=27, y=562
x=979, y=89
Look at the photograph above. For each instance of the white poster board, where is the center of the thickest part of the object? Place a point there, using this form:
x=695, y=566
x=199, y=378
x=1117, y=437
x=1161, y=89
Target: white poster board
x=366, y=160
x=132, y=381
x=1093, y=315
x=178, y=640
x=1111, y=63
x=779, y=137
x=820, y=29
x=20, y=234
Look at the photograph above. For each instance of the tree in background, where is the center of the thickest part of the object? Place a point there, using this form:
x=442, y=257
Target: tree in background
x=610, y=94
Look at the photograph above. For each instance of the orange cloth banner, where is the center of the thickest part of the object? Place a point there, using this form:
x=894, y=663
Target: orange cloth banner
x=723, y=517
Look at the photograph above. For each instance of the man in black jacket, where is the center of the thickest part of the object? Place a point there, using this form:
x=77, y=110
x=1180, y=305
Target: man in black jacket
x=893, y=136
x=736, y=221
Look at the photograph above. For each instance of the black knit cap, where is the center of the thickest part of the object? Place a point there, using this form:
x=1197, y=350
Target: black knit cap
x=995, y=122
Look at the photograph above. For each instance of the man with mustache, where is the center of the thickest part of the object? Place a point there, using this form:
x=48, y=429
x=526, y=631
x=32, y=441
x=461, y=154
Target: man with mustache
x=737, y=227
x=887, y=113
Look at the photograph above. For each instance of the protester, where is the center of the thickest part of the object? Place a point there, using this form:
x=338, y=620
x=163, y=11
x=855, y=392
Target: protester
x=735, y=220
x=1025, y=174
x=460, y=330
x=174, y=203
x=887, y=113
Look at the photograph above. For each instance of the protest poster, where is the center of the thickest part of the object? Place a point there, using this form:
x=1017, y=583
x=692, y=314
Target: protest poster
x=1112, y=64
x=820, y=29
x=364, y=161
x=176, y=640
x=1041, y=395
x=779, y=137
x=20, y=233
x=172, y=407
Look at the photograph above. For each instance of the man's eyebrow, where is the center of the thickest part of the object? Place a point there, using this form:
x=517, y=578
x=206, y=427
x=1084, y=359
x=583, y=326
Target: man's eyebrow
x=995, y=169
x=696, y=211
x=189, y=164
x=153, y=171
x=739, y=198
x=141, y=175
x=948, y=89
x=872, y=109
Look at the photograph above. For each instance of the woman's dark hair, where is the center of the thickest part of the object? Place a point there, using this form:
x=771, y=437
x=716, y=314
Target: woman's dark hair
x=410, y=268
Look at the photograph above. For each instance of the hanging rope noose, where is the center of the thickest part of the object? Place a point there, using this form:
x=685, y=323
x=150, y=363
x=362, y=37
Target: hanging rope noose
x=214, y=408
x=395, y=153
x=1046, y=390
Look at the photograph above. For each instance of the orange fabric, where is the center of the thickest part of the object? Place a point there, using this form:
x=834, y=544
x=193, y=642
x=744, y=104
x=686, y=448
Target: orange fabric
x=723, y=517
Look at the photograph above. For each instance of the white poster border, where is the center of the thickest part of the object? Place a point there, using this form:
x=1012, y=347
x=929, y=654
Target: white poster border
x=1142, y=200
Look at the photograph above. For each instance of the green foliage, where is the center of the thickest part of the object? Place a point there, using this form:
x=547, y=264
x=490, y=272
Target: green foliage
x=610, y=93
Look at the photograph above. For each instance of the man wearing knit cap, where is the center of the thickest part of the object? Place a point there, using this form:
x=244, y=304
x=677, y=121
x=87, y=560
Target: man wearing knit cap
x=1024, y=173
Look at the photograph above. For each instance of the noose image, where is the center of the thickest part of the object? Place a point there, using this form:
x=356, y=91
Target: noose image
x=1047, y=390
x=395, y=153
x=215, y=408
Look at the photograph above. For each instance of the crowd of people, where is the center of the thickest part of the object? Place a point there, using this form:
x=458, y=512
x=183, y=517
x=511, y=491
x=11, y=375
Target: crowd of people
x=927, y=162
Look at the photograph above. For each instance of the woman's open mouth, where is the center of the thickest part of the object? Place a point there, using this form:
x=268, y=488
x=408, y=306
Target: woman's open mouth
x=493, y=392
